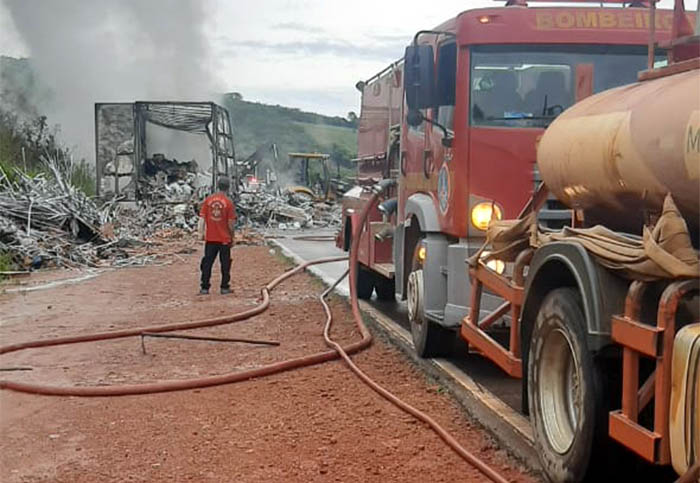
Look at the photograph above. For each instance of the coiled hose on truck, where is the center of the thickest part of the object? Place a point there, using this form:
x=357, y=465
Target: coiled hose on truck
x=337, y=351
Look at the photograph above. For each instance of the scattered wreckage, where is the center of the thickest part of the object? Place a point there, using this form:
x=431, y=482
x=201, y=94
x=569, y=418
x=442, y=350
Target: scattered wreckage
x=286, y=209
x=143, y=200
x=45, y=221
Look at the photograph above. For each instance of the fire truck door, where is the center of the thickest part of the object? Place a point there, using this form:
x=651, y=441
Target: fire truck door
x=414, y=152
x=438, y=154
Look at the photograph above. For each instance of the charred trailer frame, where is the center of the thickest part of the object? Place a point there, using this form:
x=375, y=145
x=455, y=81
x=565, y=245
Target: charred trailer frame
x=127, y=121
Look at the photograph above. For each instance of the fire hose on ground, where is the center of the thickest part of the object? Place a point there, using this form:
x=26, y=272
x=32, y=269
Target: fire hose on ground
x=337, y=351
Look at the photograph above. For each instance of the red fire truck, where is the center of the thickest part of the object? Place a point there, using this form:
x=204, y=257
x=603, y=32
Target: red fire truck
x=456, y=124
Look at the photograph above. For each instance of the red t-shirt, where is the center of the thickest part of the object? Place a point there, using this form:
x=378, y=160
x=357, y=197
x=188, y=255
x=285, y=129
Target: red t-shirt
x=217, y=210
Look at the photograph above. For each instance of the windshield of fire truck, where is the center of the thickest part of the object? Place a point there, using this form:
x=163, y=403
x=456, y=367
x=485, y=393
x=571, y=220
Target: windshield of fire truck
x=529, y=85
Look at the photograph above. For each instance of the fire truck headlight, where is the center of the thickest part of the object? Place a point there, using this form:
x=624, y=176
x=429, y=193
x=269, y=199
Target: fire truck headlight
x=483, y=213
x=494, y=264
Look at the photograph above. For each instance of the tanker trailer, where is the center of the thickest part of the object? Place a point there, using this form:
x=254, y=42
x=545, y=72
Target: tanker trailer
x=610, y=318
x=624, y=286
x=615, y=156
x=610, y=322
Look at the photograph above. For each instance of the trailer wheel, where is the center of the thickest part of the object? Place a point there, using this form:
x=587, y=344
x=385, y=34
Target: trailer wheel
x=385, y=288
x=564, y=389
x=428, y=337
x=364, y=283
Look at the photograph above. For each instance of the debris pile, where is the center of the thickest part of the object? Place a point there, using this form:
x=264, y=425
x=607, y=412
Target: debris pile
x=169, y=180
x=286, y=209
x=168, y=192
x=174, y=170
x=44, y=220
x=144, y=219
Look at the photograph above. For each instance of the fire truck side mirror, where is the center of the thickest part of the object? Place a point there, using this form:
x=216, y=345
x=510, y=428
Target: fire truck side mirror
x=419, y=76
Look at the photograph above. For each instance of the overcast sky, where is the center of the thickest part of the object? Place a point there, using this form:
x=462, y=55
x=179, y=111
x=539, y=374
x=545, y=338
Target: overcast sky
x=301, y=53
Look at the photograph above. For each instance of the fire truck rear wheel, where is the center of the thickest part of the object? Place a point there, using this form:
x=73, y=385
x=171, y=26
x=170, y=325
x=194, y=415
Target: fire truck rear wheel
x=364, y=283
x=564, y=390
x=428, y=337
x=384, y=287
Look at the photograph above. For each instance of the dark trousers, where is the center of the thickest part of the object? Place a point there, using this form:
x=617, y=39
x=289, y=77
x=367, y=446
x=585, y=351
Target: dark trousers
x=210, y=251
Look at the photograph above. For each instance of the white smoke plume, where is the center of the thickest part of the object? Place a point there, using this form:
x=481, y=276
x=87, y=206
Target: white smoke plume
x=89, y=51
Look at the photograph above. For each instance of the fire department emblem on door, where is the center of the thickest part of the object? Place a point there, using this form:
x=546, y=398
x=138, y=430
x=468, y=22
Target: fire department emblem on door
x=443, y=188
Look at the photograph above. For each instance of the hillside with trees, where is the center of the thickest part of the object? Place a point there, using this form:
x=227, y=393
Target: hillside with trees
x=293, y=130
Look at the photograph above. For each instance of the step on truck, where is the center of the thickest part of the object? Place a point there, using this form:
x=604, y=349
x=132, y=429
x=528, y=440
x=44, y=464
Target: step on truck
x=546, y=216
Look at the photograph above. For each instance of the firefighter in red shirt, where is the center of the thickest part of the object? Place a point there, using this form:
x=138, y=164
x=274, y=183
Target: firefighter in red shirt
x=216, y=218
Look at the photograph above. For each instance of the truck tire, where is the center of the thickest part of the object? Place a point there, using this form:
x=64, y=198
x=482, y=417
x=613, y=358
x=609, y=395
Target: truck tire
x=364, y=283
x=565, y=390
x=385, y=288
x=429, y=338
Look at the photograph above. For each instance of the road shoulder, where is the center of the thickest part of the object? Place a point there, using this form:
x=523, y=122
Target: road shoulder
x=507, y=426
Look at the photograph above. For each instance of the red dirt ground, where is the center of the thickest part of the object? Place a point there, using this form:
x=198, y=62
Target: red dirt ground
x=315, y=424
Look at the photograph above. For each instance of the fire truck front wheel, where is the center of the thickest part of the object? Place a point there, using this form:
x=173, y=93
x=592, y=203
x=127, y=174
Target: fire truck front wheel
x=364, y=283
x=564, y=389
x=428, y=337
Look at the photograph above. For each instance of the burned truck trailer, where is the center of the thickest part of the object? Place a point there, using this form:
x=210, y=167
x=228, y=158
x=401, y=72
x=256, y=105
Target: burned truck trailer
x=122, y=143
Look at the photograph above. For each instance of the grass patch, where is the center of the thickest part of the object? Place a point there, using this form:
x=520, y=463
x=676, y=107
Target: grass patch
x=6, y=263
x=10, y=170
